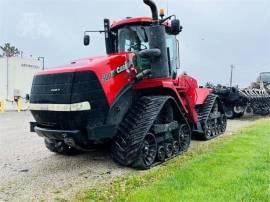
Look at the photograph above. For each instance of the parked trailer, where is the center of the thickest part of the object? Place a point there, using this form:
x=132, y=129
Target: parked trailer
x=238, y=101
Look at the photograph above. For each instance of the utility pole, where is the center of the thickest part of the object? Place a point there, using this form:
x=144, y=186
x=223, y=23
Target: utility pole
x=42, y=61
x=231, y=77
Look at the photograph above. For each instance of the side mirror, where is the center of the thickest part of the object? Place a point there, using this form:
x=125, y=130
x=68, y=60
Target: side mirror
x=176, y=28
x=86, y=40
x=150, y=53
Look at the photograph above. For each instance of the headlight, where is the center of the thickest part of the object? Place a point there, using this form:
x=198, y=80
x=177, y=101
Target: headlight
x=81, y=106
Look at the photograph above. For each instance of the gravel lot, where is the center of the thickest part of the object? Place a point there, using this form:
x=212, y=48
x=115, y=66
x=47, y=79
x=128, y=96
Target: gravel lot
x=29, y=172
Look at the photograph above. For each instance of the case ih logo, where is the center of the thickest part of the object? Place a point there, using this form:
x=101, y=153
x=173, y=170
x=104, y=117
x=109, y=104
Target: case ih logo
x=113, y=73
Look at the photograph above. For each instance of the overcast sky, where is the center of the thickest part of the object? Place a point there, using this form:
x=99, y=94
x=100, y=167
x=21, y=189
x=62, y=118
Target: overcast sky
x=216, y=34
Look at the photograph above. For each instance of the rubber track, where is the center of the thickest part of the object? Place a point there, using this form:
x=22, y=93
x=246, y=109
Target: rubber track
x=205, y=110
x=134, y=127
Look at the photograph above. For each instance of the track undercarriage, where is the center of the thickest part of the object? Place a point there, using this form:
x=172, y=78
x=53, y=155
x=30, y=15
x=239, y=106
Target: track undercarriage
x=151, y=133
x=155, y=130
x=212, y=117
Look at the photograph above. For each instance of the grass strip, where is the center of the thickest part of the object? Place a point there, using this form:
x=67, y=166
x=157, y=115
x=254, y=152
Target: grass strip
x=233, y=168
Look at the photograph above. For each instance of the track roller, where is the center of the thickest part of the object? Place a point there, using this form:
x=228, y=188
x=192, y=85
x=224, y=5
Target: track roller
x=161, y=154
x=169, y=150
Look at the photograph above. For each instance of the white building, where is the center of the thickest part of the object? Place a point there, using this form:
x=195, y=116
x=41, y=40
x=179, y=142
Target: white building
x=16, y=75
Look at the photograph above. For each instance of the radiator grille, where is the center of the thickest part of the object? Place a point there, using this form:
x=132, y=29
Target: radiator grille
x=69, y=88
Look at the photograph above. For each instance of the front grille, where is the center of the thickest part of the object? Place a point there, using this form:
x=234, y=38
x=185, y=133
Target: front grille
x=69, y=88
x=52, y=88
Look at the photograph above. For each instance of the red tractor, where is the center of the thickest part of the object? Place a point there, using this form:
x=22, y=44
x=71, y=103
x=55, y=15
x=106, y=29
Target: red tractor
x=132, y=98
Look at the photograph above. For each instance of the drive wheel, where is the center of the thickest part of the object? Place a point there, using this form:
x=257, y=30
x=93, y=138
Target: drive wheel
x=230, y=114
x=60, y=147
x=147, y=153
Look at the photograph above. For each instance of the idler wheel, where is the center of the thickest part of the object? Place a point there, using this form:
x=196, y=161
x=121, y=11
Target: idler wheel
x=148, y=152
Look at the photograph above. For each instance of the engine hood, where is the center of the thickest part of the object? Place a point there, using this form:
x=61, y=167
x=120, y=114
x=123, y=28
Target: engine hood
x=112, y=72
x=89, y=63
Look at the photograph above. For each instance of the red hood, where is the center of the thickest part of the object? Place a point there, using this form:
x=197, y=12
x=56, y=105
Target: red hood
x=104, y=68
x=89, y=63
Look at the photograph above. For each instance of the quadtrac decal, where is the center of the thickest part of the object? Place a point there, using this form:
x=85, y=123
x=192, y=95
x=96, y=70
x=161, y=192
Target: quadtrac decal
x=113, y=73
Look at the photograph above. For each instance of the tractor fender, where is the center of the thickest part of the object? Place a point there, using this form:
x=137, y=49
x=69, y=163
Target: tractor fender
x=201, y=95
x=120, y=106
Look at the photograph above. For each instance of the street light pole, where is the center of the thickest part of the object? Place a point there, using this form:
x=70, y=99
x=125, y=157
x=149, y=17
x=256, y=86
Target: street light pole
x=231, y=78
x=42, y=61
x=7, y=78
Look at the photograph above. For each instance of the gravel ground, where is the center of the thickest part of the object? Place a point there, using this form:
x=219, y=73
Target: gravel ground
x=29, y=172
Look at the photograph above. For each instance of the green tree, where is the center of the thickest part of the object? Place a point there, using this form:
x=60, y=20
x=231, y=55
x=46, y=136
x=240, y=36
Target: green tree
x=9, y=51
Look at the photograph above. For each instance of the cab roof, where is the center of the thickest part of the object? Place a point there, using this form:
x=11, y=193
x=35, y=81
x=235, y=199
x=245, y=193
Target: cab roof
x=128, y=21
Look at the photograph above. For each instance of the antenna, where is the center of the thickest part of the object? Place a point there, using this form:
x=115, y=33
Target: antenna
x=167, y=7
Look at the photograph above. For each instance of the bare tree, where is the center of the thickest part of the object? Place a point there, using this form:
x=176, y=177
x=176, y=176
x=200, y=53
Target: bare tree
x=9, y=51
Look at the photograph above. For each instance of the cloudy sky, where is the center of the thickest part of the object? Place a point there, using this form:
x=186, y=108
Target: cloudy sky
x=216, y=34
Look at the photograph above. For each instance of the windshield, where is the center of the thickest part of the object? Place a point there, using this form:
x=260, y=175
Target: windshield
x=265, y=77
x=132, y=39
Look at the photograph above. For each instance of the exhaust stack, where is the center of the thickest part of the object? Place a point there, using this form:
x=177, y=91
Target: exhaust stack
x=157, y=40
x=153, y=7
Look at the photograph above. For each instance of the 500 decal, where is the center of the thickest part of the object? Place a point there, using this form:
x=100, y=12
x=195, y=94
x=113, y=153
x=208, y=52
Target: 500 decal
x=113, y=73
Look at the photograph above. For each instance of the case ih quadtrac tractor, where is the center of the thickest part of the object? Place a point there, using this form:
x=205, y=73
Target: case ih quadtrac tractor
x=131, y=98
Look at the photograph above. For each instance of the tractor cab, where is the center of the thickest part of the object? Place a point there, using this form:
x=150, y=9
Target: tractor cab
x=265, y=77
x=152, y=40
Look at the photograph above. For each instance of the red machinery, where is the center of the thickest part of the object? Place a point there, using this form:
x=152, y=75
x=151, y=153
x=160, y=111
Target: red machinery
x=131, y=98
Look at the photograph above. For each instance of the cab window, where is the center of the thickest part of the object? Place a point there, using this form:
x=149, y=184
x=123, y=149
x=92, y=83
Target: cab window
x=171, y=42
x=132, y=39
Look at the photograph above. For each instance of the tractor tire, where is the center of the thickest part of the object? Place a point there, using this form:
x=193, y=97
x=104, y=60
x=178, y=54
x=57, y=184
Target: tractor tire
x=60, y=147
x=230, y=114
x=144, y=137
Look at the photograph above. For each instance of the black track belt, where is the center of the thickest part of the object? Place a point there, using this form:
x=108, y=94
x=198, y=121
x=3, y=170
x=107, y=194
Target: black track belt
x=134, y=127
x=205, y=110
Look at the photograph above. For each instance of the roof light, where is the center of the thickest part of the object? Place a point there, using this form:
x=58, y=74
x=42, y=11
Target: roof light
x=162, y=13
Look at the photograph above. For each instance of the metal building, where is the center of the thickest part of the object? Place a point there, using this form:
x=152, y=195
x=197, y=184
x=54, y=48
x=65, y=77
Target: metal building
x=16, y=75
